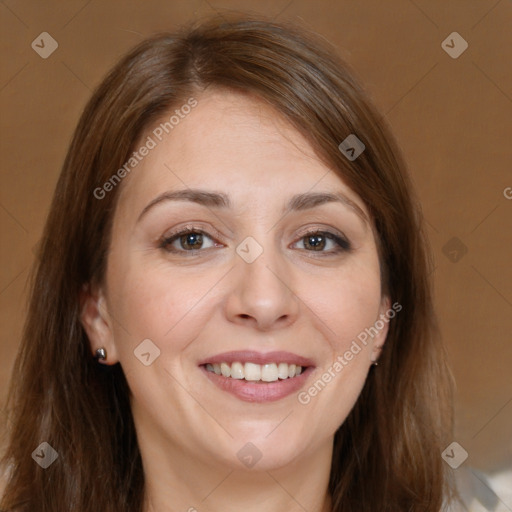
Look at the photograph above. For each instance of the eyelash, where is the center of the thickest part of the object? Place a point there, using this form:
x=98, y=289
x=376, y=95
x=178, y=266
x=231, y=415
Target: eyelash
x=343, y=245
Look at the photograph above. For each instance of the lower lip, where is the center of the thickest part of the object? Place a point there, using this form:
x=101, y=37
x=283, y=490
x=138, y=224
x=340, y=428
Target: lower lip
x=259, y=391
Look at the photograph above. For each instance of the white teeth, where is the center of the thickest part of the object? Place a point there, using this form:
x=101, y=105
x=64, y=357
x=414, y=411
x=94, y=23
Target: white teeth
x=225, y=369
x=252, y=371
x=270, y=372
x=282, y=371
x=237, y=371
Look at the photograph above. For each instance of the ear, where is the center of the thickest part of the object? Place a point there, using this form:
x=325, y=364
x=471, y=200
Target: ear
x=97, y=322
x=382, y=326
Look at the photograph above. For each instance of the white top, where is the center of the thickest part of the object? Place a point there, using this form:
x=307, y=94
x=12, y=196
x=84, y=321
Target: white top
x=482, y=492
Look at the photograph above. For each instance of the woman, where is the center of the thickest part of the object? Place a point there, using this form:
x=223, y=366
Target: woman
x=232, y=248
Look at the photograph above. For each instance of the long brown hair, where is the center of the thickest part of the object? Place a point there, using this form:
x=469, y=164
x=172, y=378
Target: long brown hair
x=387, y=453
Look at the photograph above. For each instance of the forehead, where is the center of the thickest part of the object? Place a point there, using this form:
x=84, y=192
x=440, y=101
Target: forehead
x=235, y=143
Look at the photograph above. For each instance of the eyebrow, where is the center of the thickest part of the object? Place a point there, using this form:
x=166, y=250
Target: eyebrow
x=298, y=202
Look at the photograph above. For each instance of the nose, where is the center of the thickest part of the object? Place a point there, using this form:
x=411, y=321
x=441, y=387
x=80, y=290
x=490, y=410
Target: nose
x=262, y=295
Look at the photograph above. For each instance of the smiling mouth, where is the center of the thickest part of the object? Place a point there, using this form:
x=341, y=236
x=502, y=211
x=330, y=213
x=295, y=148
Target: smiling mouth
x=256, y=373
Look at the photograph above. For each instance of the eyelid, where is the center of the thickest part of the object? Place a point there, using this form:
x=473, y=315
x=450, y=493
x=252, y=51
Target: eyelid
x=322, y=229
x=184, y=228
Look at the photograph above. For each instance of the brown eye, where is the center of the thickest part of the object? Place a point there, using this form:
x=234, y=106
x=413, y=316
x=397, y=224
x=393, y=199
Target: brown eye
x=187, y=241
x=315, y=242
x=191, y=241
x=324, y=242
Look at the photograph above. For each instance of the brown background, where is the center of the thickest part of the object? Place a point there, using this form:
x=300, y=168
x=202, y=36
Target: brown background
x=452, y=118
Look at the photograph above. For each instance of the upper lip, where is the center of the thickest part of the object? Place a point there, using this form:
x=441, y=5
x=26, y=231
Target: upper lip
x=252, y=356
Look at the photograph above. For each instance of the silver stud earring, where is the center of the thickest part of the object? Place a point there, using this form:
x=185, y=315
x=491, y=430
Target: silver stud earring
x=375, y=363
x=100, y=354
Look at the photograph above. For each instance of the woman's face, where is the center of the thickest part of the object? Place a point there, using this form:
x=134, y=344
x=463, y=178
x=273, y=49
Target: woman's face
x=273, y=273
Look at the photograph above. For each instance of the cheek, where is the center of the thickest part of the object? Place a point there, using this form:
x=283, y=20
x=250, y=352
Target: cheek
x=171, y=310
x=346, y=305
x=344, y=308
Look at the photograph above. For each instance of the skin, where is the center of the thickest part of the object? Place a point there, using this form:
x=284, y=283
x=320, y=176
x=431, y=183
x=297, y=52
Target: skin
x=291, y=298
